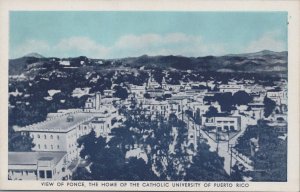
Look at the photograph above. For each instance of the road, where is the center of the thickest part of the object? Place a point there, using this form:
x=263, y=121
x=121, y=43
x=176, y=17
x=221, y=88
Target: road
x=222, y=148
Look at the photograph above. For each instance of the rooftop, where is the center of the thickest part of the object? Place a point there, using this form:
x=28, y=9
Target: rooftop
x=58, y=124
x=31, y=158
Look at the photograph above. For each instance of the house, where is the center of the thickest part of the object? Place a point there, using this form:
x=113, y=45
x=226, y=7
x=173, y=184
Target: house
x=222, y=122
x=279, y=96
x=37, y=165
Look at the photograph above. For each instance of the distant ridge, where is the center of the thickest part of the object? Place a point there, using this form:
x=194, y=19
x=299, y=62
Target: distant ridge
x=264, y=61
x=36, y=55
x=259, y=53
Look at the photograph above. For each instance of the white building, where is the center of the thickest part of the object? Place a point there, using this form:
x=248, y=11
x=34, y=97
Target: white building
x=279, y=96
x=138, y=91
x=222, y=123
x=58, y=134
x=37, y=166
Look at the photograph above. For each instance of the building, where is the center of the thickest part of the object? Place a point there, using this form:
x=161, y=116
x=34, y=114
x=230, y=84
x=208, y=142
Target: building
x=279, y=96
x=57, y=134
x=138, y=91
x=153, y=107
x=222, y=123
x=109, y=93
x=60, y=132
x=37, y=166
x=98, y=103
x=232, y=88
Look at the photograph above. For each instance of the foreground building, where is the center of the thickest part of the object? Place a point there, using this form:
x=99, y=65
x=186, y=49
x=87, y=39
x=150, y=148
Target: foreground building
x=37, y=166
x=58, y=135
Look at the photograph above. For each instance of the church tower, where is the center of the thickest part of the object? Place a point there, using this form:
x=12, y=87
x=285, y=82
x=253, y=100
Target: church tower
x=98, y=101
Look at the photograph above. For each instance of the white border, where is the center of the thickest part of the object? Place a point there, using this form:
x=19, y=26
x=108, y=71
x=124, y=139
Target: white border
x=293, y=9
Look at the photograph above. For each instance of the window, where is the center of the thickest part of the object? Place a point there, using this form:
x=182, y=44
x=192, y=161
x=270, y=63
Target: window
x=49, y=174
x=39, y=146
x=226, y=128
x=26, y=172
x=232, y=128
x=42, y=174
x=45, y=136
x=57, y=137
x=51, y=146
x=51, y=137
x=45, y=146
x=38, y=136
x=63, y=169
x=57, y=146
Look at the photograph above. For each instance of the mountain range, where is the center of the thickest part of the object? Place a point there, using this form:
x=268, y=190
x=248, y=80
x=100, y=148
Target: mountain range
x=259, y=62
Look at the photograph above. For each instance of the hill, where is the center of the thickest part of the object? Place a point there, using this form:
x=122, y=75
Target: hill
x=260, y=62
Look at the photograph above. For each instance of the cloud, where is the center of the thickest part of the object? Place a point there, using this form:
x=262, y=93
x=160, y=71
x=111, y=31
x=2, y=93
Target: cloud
x=30, y=46
x=75, y=46
x=150, y=44
x=168, y=44
x=268, y=41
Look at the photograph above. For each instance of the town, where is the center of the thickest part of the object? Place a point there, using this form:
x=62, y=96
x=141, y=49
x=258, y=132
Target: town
x=164, y=119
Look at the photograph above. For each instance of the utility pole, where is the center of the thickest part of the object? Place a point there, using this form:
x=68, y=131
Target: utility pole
x=228, y=139
x=217, y=138
x=230, y=159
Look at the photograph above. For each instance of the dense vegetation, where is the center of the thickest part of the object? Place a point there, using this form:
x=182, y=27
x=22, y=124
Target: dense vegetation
x=270, y=161
x=107, y=158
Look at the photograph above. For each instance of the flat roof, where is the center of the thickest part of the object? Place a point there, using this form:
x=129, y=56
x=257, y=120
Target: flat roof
x=31, y=158
x=58, y=124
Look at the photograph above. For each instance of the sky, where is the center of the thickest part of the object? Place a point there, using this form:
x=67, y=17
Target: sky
x=118, y=34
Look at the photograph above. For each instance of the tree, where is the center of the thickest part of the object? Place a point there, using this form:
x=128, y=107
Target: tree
x=121, y=92
x=206, y=166
x=107, y=164
x=107, y=161
x=82, y=174
x=225, y=100
x=241, y=98
x=169, y=163
x=270, y=161
x=212, y=111
x=19, y=142
x=137, y=170
x=269, y=106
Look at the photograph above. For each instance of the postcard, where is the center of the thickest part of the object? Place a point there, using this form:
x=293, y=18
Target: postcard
x=150, y=96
